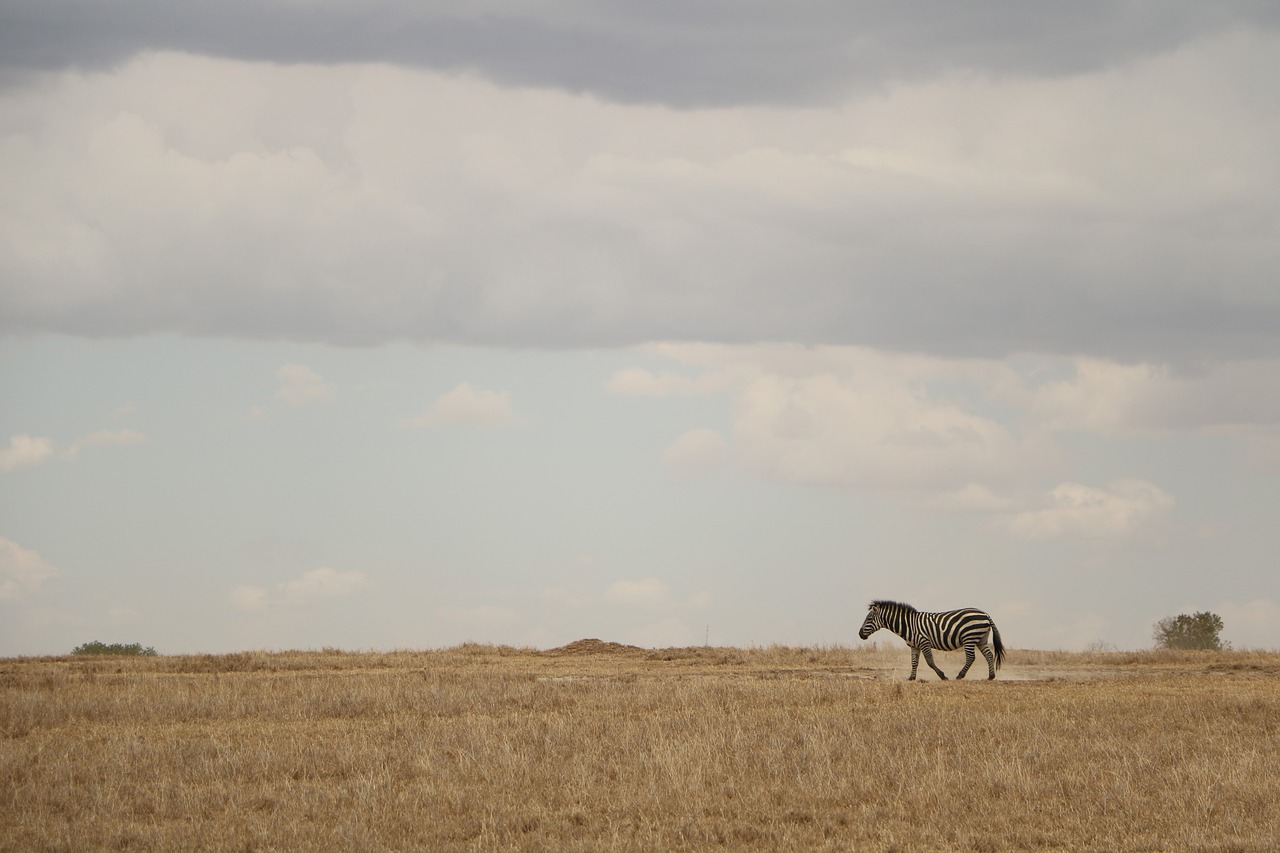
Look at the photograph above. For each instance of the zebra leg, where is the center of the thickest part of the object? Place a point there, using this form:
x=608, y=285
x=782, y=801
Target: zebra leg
x=928, y=658
x=991, y=661
x=968, y=661
x=915, y=662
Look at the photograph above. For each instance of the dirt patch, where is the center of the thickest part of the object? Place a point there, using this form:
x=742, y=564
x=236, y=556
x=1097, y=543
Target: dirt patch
x=593, y=646
x=1242, y=668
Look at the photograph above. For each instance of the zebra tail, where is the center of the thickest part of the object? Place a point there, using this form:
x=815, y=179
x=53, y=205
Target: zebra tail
x=999, y=646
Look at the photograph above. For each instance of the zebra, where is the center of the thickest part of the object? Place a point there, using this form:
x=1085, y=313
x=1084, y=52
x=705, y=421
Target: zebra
x=924, y=632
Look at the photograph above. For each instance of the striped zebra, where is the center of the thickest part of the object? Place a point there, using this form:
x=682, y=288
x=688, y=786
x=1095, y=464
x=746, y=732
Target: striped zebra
x=945, y=632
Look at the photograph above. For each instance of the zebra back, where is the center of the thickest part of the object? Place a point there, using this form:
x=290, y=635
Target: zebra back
x=945, y=630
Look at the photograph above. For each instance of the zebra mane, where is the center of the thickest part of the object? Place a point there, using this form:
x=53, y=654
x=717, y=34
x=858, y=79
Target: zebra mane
x=889, y=605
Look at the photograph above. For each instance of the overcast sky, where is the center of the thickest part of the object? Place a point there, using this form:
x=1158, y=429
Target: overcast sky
x=397, y=325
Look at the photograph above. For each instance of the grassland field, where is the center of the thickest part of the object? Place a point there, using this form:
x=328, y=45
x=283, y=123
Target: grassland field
x=597, y=746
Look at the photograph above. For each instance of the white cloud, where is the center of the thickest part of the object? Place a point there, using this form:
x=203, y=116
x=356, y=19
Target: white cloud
x=858, y=418
x=250, y=597
x=1074, y=510
x=321, y=583
x=974, y=497
x=652, y=593
x=301, y=386
x=25, y=451
x=317, y=583
x=960, y=434
x=466, y=406
x=646, y=592
x=828, y=430
x=22, y=571
x=1110, y=397
x=107, y=438
x=638, y=382
x=698, y=451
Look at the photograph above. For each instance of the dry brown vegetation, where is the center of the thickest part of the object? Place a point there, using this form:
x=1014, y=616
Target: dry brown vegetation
x=597, y=746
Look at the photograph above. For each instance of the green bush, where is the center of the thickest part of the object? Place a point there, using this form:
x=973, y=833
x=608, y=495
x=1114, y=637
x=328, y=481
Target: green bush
x=97, y=648
x=1199, y=631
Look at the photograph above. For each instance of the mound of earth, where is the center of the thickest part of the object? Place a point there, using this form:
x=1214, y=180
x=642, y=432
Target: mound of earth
x=594, y=647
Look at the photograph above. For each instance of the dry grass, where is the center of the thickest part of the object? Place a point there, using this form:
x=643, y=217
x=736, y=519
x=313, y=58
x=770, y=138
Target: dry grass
x=602, y=747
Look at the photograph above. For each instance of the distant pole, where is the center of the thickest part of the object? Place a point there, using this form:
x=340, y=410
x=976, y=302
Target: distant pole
x=706, y=638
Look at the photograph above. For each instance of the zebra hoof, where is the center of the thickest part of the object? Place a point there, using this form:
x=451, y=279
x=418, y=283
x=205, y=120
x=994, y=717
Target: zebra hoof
x=942, y=677
x=911, y=678
x=991, y=677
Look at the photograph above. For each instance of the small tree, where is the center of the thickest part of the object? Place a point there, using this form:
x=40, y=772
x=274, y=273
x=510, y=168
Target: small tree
x=97, y=648
x=1198, y=631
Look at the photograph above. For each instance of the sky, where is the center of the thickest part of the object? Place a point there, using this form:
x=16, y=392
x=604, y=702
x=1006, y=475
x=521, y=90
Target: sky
x=375, y=324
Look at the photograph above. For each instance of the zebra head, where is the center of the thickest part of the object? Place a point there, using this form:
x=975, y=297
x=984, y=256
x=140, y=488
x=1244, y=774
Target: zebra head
x=872, y=623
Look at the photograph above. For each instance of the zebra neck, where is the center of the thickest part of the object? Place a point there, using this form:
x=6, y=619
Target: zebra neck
x=900, y=623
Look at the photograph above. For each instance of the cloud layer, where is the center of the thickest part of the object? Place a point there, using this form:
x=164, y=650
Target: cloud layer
x=975, y=436
x=709, y=54
x=1124, y=211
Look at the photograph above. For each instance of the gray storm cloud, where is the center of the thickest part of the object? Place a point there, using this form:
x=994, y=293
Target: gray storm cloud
x=686, y=54
x=1084, y=178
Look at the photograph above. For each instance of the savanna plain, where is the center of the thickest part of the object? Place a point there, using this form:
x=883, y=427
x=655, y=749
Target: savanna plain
x=597, y=746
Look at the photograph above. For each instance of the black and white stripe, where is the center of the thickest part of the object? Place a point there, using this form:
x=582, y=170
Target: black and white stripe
x=946, y=631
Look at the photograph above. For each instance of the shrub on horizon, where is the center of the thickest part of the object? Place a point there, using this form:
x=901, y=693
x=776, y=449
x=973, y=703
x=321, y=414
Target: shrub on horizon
x=98, y=648
x=1199, y=631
